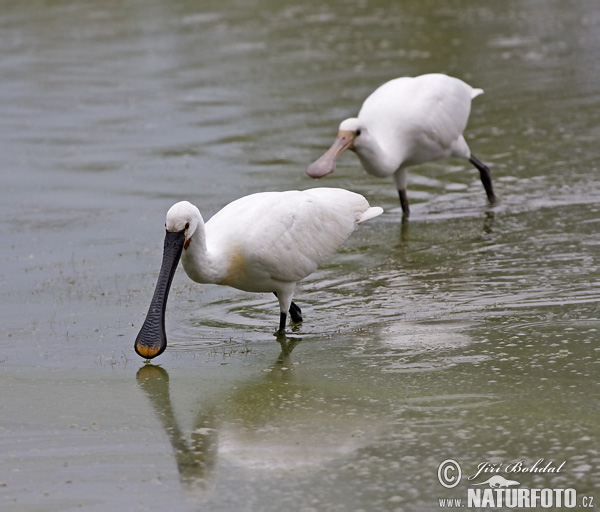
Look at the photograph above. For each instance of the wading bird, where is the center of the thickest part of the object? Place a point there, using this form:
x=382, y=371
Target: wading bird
x=263, y=242
x=405, y=122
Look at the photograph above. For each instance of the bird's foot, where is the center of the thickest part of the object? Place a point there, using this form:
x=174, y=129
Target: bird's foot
x=281, y=336
x=295, y=313
x=486, y=179
x=404, y=204
x=282, y=322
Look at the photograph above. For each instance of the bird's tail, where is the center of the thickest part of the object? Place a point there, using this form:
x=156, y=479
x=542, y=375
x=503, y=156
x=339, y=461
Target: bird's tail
x=476, y=92
x=372, y=212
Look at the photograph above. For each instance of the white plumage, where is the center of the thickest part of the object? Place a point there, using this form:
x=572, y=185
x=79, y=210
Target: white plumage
x=263, y=242
x=408, y=121
x=266, y=242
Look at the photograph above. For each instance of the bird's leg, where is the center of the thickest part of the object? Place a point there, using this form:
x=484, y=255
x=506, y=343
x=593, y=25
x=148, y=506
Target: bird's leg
x=282, y=322
x=486, y=178
x=401, y=180
x=404, y=203
x=295, y=313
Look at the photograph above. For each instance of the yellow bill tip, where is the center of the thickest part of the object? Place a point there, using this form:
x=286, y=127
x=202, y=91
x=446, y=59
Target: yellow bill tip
x=148, y=351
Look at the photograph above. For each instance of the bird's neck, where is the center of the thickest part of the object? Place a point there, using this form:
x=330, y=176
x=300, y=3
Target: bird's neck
x=198, y=262
x=376, y=159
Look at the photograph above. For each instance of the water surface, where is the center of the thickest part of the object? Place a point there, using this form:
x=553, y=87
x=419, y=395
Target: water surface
x=468, y=333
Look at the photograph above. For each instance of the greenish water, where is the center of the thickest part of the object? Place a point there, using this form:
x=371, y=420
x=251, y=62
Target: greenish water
x=468, y=333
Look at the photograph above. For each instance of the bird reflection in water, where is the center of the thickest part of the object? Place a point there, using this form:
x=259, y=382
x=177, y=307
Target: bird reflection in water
x=196, y=457
x=488, y=222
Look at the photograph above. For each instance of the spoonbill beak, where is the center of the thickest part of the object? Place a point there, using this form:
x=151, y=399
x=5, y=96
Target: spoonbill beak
x=326, y=164
x=151, y=341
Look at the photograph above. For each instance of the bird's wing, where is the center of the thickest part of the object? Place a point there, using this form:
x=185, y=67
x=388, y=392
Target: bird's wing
x=287, y=235
x=445, y=105
x=422, y=116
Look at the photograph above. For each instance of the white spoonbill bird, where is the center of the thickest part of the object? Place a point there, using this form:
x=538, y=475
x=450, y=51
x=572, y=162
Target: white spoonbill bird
x=408, y=121
x=263, y=242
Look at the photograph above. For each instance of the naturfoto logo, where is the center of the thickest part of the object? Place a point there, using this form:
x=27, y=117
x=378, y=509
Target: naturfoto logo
x=494, y=490
x=498, y=482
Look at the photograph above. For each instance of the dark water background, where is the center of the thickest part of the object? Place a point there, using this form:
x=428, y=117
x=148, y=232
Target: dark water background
x=469, y=333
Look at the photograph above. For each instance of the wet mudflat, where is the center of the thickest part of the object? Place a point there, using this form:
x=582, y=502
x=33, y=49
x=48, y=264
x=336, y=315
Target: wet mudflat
x=468, y=333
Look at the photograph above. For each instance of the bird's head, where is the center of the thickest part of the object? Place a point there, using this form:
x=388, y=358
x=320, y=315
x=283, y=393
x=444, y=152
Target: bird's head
x=183, y=216
x=348, y=137
x=183, y=220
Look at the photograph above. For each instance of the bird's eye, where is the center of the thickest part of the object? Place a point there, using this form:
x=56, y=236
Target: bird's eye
x=358, y=132
x=187, y=225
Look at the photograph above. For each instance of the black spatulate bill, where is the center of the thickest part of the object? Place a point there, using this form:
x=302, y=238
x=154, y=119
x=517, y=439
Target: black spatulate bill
x=151, y=341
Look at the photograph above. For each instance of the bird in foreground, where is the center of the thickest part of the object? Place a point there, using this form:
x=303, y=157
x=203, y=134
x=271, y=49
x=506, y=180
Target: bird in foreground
x=408, y=121
x=263, y=242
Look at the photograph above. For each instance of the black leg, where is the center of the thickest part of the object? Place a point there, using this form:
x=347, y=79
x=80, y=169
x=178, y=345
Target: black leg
x=404, y=202
x=282, y=321
x=486, y=178
x=295, y=313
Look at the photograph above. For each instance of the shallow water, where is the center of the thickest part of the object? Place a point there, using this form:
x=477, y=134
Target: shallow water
x=467, y=333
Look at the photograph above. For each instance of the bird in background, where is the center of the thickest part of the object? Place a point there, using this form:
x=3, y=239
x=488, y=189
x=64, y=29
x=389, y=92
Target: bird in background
x=263, y=242
x=408, y=121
